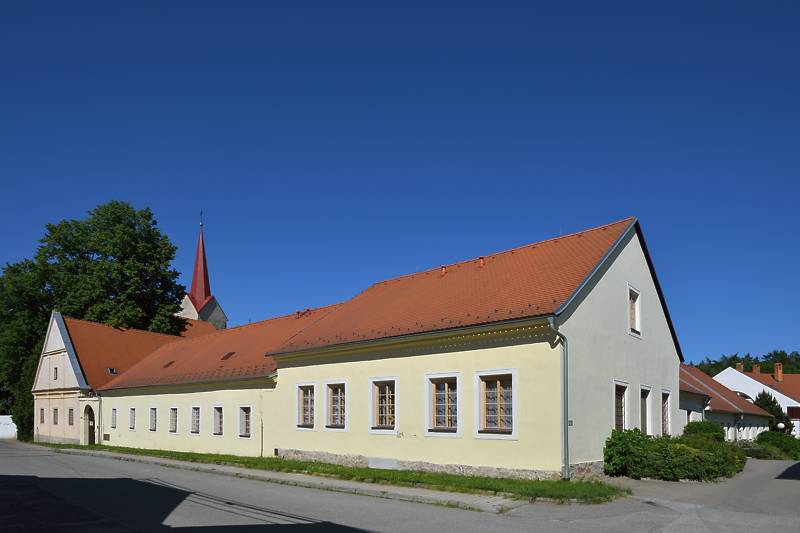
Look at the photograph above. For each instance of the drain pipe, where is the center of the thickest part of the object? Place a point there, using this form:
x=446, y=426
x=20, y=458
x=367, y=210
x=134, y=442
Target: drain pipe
x=565, y=396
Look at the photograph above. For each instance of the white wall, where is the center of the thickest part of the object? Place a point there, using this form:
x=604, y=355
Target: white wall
x=740, y=382
x=8, y=429
x=601, y=351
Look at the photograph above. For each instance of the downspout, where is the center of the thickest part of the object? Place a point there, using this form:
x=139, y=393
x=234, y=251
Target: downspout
x=564, y=397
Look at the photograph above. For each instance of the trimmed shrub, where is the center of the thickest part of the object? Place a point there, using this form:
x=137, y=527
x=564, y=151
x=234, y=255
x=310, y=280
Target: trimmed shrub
x=787, y=444
x=705, y=427
x=700, y=456
x=761, y=450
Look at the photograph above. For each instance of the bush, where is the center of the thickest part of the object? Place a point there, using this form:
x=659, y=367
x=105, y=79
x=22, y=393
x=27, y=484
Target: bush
x=705, y=427
x=699, y=456
x=787, y=444
x=761, y=451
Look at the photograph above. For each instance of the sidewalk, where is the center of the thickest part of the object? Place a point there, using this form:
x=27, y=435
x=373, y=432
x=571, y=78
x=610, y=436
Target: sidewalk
x=474, y=502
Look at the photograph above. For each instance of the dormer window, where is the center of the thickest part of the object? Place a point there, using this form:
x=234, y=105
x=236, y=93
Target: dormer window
x=634, y=312
x=112, y=371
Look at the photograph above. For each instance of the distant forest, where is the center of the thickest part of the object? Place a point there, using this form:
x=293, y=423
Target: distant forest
x=790, y=360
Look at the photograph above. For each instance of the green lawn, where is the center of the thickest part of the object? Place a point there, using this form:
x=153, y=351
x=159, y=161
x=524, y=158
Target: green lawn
x=560, y=491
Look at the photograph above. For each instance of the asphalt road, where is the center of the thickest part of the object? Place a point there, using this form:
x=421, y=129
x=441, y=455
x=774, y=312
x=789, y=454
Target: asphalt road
x=41, y=490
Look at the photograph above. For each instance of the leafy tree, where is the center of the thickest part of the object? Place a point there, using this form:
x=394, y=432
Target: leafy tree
x=790, y=361
x=112, y=267
x=767, y=402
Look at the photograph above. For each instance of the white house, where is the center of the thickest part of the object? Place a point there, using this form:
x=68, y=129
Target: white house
x=780, y=385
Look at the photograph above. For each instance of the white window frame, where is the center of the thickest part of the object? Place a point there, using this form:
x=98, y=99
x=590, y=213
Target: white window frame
x=55, y=416
x=199, y=420
x=630, y=288
x=239, y=422
x=41, y=415
x=298, y=407
x=71, y=416
x=669, y=411
x=213, y=422
x=429, y=431
x=371, y=400
x=326, y=386
x=150, y=419
x=649, y=428
x=169, y=419
x=626, y=407
x=131, y=419
x=476, y=403
x=113, y=418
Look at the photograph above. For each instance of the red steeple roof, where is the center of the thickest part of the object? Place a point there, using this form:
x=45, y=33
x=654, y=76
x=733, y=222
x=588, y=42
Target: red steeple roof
x=201, y=288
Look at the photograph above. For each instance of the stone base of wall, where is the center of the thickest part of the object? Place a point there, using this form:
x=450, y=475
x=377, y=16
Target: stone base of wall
x=56, y=440
x=587, y=471
x=395, y=464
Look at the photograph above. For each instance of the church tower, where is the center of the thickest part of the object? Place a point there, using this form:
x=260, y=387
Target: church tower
x=199, y=304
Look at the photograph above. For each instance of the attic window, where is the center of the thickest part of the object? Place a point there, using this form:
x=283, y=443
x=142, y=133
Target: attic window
x=227, y=356
x=112, y=371
x=168, y=364
x=634, y=312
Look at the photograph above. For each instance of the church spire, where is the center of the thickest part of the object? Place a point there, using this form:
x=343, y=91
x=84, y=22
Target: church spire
x=201, y=288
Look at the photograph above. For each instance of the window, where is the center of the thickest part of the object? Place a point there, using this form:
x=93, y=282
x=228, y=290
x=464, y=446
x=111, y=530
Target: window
x=173, y=419
x=55, y=416
x=113, y=419
x=244, y=421
x=634, y=318
x=195, y=420
x=644, y=411
x=305, y=402
x=497, y=414
x=132, y=416
x=55, y=373
x=444, y=404
x=336, y=406
x=41, y=415
x=665, y=413
x=153, y=420
x=620, y=394
x=384, y=402
x=71, y=417
x=218, y=420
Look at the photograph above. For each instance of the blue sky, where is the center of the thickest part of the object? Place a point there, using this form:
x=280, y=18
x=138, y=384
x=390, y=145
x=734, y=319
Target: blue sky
x=332, y=148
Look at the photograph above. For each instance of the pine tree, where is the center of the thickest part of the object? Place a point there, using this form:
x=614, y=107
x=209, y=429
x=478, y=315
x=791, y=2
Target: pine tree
x=767, y=402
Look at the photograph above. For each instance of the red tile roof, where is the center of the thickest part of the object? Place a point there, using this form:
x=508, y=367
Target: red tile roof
x=790, y=386
x=723, y=399
x=100, y=347
x=196, y=328
x=200, y=360
x=532, y=280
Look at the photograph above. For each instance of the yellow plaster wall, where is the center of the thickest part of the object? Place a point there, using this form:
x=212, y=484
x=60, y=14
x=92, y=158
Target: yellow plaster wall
x=229, y=396
x=536, y=445
x=61, y=432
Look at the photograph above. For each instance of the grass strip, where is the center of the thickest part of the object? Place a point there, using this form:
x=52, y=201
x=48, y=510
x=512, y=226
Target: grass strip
x=555, y=490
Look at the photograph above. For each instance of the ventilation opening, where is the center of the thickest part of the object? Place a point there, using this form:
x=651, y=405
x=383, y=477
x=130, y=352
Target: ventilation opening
x=112, y=371
x=228, y=355
x=168, y=364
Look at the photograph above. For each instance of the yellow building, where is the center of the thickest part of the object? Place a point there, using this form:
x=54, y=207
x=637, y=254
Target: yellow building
x=518, y=363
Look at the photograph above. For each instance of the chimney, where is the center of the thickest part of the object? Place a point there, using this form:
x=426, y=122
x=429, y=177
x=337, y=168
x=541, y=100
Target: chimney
x=740, y=367
x=778, y=371
x=756, y=368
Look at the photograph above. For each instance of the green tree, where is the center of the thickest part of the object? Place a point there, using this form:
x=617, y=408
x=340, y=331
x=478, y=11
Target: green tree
x=112, y=267
x=790, y=361
x=767, y=402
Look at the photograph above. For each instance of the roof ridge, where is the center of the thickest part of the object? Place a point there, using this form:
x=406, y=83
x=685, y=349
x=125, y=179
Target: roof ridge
x=502, y=252
x=122, y=328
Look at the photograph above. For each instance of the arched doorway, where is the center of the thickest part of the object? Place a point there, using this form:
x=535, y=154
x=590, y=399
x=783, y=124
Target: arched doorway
x=88, y=421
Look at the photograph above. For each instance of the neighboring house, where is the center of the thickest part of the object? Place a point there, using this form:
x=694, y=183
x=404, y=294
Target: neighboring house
x=785, y=388
x=739, y=417
x=517, y=363
x=693, y=399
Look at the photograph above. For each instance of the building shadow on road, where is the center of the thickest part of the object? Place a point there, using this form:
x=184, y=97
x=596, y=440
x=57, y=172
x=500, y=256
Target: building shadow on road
x=793, y=472
x=29, y=503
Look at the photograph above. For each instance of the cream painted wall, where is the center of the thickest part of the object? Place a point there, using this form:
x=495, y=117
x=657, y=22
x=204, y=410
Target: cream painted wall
x=692, y=408
x=602, y=351
x=63, y=431
x=230, y=396
x=45, y=379
x=535, y=446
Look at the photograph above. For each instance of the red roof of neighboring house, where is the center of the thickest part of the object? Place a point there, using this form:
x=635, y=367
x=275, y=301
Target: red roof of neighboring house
x=723, y=399
x=790, y=385
x=532, y=280
x=100, y=347
x=686, y=386
x=196, y=328
x=226, y=355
